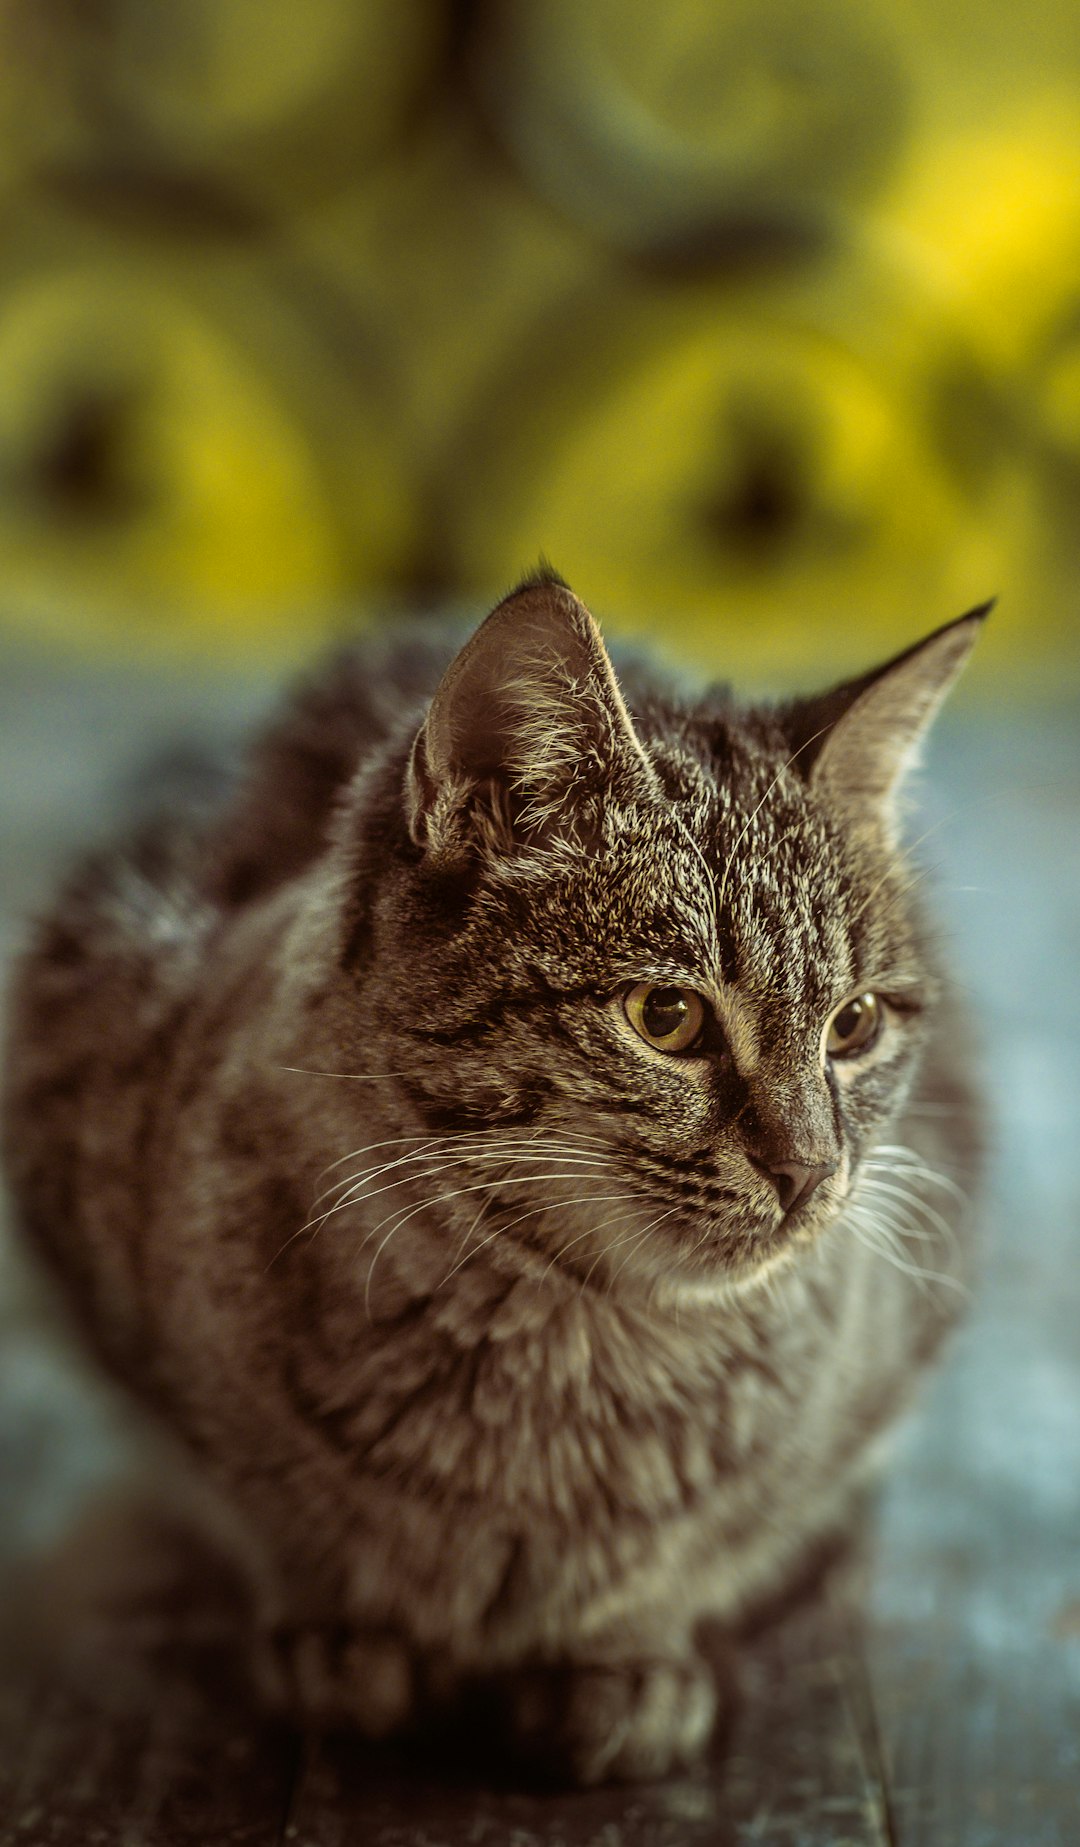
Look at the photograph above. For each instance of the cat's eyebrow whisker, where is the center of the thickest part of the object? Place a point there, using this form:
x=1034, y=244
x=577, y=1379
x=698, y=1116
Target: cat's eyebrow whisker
x=710, y=877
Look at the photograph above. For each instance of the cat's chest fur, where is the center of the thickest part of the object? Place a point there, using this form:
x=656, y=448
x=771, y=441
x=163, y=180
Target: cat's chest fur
x=553, y=1456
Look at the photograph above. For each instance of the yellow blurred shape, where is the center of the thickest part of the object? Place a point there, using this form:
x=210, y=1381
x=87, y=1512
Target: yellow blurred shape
x=994, y=212
x=662, y=124
x=239, y=65
x=267, y=95
x=157, y=486
x=751, y=484
x=206, y=71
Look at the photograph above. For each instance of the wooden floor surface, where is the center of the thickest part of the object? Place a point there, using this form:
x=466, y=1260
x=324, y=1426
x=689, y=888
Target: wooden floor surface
x=950, y=1717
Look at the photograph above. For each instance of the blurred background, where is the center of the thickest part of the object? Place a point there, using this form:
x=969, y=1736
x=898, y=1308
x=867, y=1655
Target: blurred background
x=762, y=321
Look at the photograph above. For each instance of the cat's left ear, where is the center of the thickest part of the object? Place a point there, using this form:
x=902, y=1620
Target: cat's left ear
x=527, y=735
x=857, y=743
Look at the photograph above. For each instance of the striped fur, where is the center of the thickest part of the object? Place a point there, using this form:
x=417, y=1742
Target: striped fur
x=481, y=1314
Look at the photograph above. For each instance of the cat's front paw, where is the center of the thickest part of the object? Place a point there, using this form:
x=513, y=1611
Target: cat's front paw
x=625, y=1721
x=335, y=1677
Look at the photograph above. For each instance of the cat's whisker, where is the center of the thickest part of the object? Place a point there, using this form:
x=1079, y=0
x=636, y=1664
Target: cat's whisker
x=392, y=1141
x=590, y=1230
x=883, y=1190
x=550, y=1205
x=606, y=1249
x=427, y=1173
x=358, y=1195
x=911, y=1162
x=351, y=1077
x=870, y=1234
x=631, y=1239
x=636, y=1234
x=903, y=1204
x=354, y=1184
x=451, y=1140
x=889, y=1216
x=913, y=1200
x=459, y=1147
x=464, y=1239
x=403, y=1216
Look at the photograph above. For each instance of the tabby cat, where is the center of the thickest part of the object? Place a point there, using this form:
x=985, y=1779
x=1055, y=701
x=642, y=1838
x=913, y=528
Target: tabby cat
x=514, y=1144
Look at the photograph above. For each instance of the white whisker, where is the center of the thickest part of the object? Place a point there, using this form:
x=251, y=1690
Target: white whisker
x=492, y=1153
x=869, y=1233
x=441, y=1199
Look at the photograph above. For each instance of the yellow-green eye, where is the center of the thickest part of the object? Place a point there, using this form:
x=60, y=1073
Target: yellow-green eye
x=854, y=1026
x=671, y=1019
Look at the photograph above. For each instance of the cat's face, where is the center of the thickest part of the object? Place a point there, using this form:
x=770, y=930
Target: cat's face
x=660, y=988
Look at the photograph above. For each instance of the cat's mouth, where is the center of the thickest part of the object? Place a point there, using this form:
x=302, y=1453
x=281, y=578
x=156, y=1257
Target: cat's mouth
x=731, y=1239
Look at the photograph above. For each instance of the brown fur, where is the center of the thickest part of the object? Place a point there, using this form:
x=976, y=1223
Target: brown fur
x=524, y=1398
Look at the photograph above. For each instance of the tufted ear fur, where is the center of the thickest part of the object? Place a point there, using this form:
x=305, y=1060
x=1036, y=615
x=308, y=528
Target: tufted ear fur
x=857, y=743
x=527, y=734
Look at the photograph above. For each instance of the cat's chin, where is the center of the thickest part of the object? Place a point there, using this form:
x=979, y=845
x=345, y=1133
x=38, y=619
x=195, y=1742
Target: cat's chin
x=732, y=1264
x=682, y=1289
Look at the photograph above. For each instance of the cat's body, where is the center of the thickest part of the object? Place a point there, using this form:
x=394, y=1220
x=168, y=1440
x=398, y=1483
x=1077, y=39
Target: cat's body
x=586, y=1342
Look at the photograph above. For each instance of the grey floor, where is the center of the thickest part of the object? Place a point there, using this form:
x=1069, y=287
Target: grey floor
x=965, y=1728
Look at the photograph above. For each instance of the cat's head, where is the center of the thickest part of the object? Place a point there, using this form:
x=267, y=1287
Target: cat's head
x=648, y=968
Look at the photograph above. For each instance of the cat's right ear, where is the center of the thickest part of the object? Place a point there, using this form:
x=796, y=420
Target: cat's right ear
x=527, y=735
x=858, y=743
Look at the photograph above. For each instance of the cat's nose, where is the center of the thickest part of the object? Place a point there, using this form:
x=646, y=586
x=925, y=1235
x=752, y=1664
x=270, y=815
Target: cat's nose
x=795, y=1181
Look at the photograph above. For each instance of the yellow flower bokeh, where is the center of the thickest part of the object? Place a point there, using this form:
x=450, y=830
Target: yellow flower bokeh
x=763, y=325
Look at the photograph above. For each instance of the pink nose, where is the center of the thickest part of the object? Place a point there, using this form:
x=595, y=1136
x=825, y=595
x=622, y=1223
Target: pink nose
x=794, y=1181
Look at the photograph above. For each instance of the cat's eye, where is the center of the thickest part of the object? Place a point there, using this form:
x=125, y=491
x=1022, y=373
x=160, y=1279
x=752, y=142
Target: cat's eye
x=855, y=1026
x=670, y=1018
